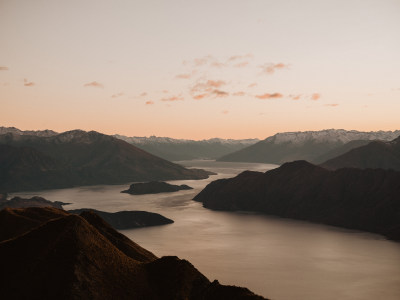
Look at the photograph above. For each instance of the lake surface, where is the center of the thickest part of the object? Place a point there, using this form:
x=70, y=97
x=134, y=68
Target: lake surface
x=277, y=258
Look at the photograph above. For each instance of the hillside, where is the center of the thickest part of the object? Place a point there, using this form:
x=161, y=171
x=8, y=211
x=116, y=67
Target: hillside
x=66, y=256
x=377, y=154
x=366, y=200
x=76, y=158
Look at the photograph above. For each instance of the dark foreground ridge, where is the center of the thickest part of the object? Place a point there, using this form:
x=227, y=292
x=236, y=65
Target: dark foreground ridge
x=128, y=219
x=366, y=200
x=77, y=158
x=154, y=187
x=65, y=256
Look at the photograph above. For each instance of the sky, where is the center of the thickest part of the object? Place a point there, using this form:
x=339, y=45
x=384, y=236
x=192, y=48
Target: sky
x=200, y=69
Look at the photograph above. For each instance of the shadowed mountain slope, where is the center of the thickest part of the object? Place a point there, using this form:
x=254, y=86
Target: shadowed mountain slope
x=82, y=257
x=79, y=158
x=359, y=199
x=377, y=154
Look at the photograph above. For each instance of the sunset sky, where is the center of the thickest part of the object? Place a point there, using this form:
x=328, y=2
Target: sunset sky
x=200, y=69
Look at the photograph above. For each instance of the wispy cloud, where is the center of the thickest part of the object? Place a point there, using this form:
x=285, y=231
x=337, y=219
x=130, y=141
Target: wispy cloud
x=241, y=64
x=269, y=96
x=94, y=84
x=143, y=94
x=219, y=93
x=165, y=91
x=149, y=102
x=207, y=86
x=225, y=112
x=270, y=68
x=315, y=96
x=117, y=95
x=3, y=68
x=239, y=57
x=295, y=97
x=200, y=96
x=239, y=94
x=173, y=98
x=28, y=83
x=251, y=85
x=332, y=104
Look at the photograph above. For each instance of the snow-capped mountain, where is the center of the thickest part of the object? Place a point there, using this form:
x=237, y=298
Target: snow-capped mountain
x=41, y=133
x=314, y=146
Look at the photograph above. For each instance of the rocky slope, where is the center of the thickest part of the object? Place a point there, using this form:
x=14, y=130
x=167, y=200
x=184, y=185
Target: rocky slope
x=65, y=256
x=377, y=154
x=79, y=158
x=366, y=200
x=180, y=149
x=313, y=146
x=154, y=187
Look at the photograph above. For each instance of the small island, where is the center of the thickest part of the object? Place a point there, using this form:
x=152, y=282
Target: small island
x=154, y=187
x=18, y=202
x=128, y=219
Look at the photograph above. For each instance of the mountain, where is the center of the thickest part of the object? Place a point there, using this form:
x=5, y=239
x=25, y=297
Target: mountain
x=313, y=146
x=77, y=158
x=180, y=149
x=65, y=256
x=13, y=130
x=377, y=154
x=18, y=202
x=366, y=200
x=154, y=187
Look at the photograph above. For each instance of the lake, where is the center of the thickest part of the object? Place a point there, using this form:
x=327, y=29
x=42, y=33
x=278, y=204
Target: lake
x=278, y=258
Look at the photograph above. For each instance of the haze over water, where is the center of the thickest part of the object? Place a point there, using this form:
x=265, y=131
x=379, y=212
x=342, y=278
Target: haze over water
x=278, y=258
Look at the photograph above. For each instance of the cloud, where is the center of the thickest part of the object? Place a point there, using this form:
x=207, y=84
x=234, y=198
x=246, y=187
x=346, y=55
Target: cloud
x=28, y=83
x=315, y=96
x=295, y=97
x=241, y=65
x=271, y=68
x=149, y=102
x=200, y=96
x=251, y=85
x=225, y=112
x=183, y=76
x=332, y=104
x=173, y=98
x=219, y=93
x=94, y=84
x=207, y=86
x=239, y=93
x=239, y=57
x=143, y=94
x=117, y=95
x=269, y=96
x=218, y=64
x=3, y=68
x=165, y=91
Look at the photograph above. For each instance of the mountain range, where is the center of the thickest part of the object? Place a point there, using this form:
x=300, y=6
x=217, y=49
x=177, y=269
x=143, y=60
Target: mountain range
x=51, y=254
x=313, y=146
x=181, y=149
x=362, y=199
x=74, y=158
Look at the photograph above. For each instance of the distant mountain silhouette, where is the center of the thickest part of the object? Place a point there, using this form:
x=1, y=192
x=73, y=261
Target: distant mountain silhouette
x=79, y=158
x=18, y=202
x=313, y=146
x=366, y=200
x=154, y=187
x=180, y=149
x=377, y=154
x=57, y=255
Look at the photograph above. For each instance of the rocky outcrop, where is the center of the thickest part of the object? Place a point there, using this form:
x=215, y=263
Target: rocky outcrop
x=154, y=187
x=366, y=200
x=81, y=257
